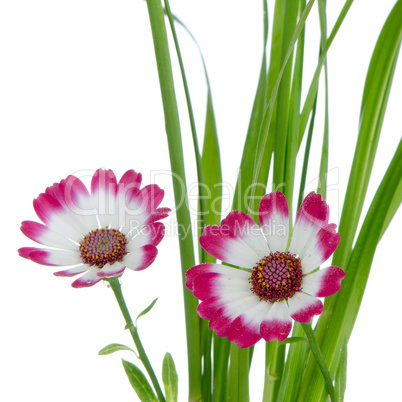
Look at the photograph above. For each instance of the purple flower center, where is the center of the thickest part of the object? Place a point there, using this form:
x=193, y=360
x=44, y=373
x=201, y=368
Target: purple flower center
x=276, y=277
x=103, y=246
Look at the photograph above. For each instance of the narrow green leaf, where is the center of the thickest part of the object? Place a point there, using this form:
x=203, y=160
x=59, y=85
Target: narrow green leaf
x=251, y=146
x=186, y=244
x=340, y=378
x=260, y=172
x=312, y=92
x=322, y=183
x=211, y=166
x=113, y=347
x=283, y=93
x=293, y=339
x=319, y=358
x=344, y=313
x=294, y=366
x=294, y=120
x=170, y=378
x=139, y=382
x=146, y=310
x=374, y=103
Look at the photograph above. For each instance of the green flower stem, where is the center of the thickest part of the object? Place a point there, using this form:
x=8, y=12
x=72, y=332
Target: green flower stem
x=238, y=374
x=274, y=357
x=316, y=351
x=116, y=287
x=172, y=124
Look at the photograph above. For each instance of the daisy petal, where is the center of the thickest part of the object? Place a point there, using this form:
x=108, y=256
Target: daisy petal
x=89, y=279
x=151, y=234
x=25, y=251
x=319, y=248
x=277, y=323
x=244, y=331
x=78, y=200
x=153, y=195
x=130, y=179
x=232, y=309
x=53, y=214
x=158, y=214
x=141, y=258
x=244, y=227
x=312, y=216
x=46, y=236
x=104, y=191
x=72, y=271
x=324, y=282
x=303, y=307
x=273, y=214
x=110, y=270
x=55, y=257
x=232, y=277
x=223, y=244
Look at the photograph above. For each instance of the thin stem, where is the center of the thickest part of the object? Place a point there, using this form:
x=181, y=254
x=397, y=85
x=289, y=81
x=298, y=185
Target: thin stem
x=116, y=287
x=315, y=349
x=172, y=124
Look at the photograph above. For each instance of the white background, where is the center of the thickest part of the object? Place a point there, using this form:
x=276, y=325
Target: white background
x=79, y=90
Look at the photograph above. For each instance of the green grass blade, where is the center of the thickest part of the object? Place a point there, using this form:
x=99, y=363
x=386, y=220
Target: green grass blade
x=173, y=132
x=211, y=166
x=260, y=172
x=294, y=119
x=307, y=155
x=237, y=378
x=247, y=165
x=294, y=366
x=340, y=378
x=375, y=97
x=322, y=183
x=374, y=103
x=283, y=93
x=312, y=92
x=346, y=308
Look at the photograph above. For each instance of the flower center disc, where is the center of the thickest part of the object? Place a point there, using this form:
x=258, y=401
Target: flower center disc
x=276, y=277
x=103, y=246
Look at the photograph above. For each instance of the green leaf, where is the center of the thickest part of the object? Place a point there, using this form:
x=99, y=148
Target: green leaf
x=293, y=339
x=113, y=347
x=139, y=382
x=175, y=145
x=312, y=92
x=146, y=310
x=319, y=358
x=344, y=313
x=340, y=378
x=340, y=310
x=170, y=378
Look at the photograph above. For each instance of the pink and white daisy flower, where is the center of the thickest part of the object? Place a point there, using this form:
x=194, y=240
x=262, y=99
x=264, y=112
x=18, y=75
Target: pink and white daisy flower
x=275, y=282
x=99, y=233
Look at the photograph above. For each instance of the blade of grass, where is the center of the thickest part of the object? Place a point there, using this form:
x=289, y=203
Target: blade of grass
x=156, y=16
x=322, y=183
x=260, y=173
x=312, y=92
x=288, y=101
x=237, y=379
x=294, y=119
x=374, y=103
x=208, y=164
x=345, y=311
